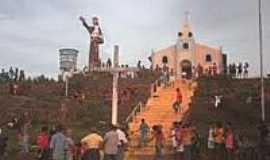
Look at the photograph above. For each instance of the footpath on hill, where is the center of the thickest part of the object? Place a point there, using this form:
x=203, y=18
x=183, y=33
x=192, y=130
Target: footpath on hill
x=239, y=110
x=159, y=111
x=240, y=104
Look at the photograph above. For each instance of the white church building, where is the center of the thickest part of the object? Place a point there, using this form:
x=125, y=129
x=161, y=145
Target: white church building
x=187, y=54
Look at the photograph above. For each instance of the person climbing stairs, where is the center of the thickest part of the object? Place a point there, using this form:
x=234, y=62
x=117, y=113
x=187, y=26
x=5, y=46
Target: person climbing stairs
x=158, y=111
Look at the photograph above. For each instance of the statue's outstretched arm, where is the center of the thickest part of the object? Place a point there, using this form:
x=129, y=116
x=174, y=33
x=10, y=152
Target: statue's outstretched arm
x=85, y=24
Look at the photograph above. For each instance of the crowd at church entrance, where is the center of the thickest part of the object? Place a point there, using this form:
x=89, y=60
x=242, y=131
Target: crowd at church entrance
x=240, y=70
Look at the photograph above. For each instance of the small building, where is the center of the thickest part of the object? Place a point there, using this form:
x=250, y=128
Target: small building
x=187, y=55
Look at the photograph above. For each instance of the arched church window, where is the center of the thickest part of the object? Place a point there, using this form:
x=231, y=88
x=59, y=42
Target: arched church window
x=190, y=34
x=186, y=46
x=165, y=60
x=180, y=34
x=208, y=58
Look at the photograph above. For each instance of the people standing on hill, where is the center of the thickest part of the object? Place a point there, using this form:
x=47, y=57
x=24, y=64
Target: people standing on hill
x=16, y=77
x=246, y=65
x=43, y=144
x=239, y=70
x=219, y=140
x=69, y=145
x=139, y=64
x=173, y=139
x=167, y=81
x=211, y=140
x=230, y=70
x=122, y=144
x=109, y=63
x=243, y=146
x=57, y=144
x=199, y=71
x=178, y=136
x=144, y=130
x=214, y=69
x=264, y=140
x=93, y=144
x=111, y=140
x=234, y=70
x=210, y=71
x=11, y=74
x=188, y=141
x=25, y=137
x=178, y=101
x=3, y=145
x=229, y=144
x=218, y=100
x=158, y=137
x=22, y=75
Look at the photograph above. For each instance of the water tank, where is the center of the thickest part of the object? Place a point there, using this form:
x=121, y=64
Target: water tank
x=68, y=59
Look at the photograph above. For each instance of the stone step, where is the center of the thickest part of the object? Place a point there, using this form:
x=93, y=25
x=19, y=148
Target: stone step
x=158, y=111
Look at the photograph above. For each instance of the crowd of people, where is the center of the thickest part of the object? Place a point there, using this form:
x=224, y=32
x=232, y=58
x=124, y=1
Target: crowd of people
x=221, y=143
x=239, y=70
x=12, y=75
x=58, y=143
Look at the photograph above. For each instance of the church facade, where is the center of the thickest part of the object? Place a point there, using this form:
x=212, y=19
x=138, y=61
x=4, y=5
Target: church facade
x=187, y=55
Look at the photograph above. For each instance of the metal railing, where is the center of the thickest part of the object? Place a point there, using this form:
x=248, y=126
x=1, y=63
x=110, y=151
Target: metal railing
x=141, y=106
x=138, y=108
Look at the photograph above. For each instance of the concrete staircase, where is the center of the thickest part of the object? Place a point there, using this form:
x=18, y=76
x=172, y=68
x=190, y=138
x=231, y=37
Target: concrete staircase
x=158, y=111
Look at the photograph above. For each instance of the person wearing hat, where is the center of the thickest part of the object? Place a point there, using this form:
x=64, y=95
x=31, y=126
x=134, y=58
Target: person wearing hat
x=93, y=144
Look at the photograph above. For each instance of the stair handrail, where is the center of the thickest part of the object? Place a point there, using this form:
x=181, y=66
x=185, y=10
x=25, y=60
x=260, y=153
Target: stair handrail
x=138, y=108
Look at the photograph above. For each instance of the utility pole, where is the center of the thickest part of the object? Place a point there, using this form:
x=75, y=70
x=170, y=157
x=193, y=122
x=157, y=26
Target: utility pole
x=115, y=85
x=261, y=60
x=67, y=85
x=115, y=70
x=115, y=98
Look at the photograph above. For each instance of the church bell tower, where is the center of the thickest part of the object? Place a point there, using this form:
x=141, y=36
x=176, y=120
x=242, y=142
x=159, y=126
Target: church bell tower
x=185, y=47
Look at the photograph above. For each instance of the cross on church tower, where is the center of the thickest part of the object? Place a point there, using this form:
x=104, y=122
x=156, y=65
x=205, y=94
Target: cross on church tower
x=187, y=17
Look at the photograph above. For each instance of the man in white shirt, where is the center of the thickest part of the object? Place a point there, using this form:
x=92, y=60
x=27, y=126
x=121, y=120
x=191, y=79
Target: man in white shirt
x=122, y=143
x=217, y=101
x=111, y=141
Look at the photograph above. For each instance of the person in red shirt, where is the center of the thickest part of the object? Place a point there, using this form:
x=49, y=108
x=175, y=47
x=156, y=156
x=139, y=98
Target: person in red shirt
x=178, y=101
x=43, y=144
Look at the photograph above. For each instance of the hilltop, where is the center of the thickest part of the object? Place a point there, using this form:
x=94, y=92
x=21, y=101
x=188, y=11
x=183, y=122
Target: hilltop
x=240, y=104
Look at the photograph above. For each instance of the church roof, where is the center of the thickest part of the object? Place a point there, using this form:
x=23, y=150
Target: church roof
x=170, y=49
x=200, y=45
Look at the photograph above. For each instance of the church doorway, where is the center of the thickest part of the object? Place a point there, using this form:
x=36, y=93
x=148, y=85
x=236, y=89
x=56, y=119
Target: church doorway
x=186, y=69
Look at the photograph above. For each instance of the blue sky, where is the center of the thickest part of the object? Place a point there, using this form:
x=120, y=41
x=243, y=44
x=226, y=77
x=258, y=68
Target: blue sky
x=32, y=31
